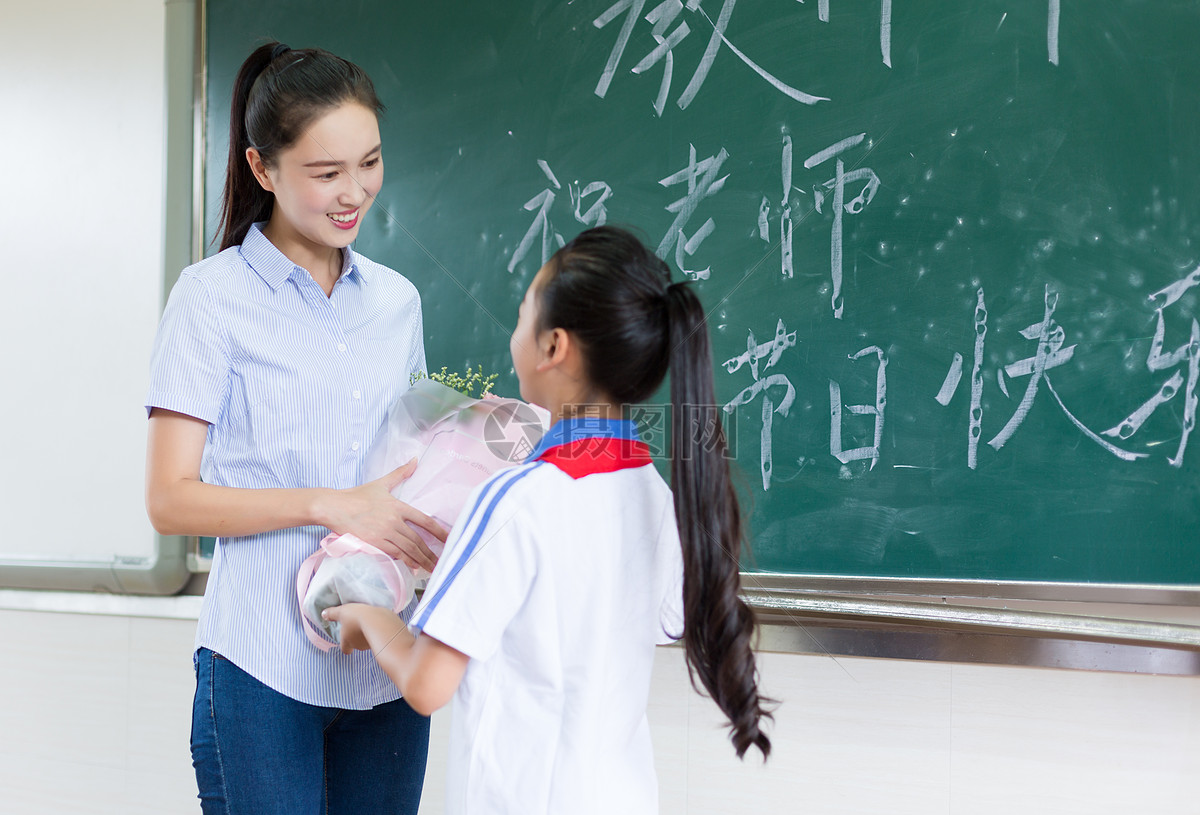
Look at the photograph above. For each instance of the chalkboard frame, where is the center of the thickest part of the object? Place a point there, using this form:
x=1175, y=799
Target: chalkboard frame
x=791, y=583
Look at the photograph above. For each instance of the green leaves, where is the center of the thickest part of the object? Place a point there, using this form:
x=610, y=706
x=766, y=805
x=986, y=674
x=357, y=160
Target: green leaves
x=466, y=383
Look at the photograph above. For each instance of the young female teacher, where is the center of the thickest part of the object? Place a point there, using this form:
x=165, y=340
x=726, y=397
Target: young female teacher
x=275, y=363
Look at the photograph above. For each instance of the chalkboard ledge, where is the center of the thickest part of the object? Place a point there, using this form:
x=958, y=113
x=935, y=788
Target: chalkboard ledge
x=1137, y=639
x=984, y=591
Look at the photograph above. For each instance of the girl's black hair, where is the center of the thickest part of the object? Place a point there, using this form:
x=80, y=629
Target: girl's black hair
x=278, y=93
x=615, y=296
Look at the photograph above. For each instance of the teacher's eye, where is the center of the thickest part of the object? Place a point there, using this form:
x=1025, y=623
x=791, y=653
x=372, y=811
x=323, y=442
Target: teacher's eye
x=372, y=163
x=329, y=176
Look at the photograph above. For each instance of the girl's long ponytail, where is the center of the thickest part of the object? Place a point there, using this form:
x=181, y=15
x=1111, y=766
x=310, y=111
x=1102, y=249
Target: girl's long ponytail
x=718, y=625
x=243, y=200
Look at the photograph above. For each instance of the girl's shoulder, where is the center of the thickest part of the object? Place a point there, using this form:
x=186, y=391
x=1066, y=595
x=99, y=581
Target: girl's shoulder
x=505, y=493
x=514, y=484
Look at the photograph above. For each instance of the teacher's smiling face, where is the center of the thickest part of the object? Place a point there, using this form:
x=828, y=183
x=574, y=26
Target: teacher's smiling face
x=325, y=182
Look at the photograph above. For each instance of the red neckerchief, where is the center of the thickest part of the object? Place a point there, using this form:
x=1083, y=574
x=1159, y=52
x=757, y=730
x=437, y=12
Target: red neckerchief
x=596, y=454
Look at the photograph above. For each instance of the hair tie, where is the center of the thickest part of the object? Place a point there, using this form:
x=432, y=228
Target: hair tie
x=671, y=292
x=278, y=51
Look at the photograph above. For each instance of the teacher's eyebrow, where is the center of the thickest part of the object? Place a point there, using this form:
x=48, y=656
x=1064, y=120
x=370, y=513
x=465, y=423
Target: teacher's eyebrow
x=335, y=163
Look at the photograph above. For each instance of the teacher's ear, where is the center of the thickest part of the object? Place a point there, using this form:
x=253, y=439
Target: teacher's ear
x=259, y=168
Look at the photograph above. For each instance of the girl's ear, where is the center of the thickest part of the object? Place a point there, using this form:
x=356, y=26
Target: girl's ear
x=555, y=346
x=258, y=168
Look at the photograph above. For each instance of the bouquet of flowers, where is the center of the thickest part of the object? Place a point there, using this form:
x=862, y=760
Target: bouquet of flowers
x=458, y=441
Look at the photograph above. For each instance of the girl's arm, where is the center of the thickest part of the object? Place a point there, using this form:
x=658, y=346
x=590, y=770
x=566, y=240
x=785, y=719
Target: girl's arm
x=426, y=670
x=179, y=503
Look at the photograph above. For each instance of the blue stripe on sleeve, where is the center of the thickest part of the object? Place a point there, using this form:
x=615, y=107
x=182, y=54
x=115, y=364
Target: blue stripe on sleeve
x=496, y=490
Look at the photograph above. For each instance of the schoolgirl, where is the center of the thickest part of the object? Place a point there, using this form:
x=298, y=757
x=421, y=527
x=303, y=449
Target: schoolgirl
x=273, y=368
x=563, y=573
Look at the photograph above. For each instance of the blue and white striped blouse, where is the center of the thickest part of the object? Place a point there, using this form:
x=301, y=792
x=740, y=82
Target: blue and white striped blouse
x=294, y=385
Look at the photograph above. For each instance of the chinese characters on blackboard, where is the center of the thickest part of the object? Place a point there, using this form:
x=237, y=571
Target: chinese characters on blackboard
x=669, y=27
x=842, y=186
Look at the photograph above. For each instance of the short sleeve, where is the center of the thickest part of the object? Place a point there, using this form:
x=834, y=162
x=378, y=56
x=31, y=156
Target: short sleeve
x=486, y=572
x=189, y=365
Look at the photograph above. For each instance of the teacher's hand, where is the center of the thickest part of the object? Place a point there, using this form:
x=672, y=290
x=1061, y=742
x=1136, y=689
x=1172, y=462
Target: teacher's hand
x=371, y=513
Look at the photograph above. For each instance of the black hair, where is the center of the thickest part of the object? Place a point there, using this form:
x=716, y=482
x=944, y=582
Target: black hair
x=616, y=298
x=278, y=93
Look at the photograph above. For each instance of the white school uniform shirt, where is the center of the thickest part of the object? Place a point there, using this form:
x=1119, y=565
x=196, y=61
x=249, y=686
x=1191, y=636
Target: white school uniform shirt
x=295, y=386
x=560, y=577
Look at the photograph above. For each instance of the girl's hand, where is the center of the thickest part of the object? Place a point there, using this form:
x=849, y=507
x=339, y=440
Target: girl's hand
x=426, y=670
x=371, y=513
x=362, y=625
x=350, y=635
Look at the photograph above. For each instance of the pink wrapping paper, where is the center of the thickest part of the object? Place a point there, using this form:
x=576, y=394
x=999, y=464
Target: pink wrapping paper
x=394, y=578
x=458, y=441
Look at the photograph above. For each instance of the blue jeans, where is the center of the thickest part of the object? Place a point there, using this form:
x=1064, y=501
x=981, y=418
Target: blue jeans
x=258, y=752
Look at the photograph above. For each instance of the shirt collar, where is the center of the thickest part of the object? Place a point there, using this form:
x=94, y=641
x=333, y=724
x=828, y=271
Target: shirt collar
x=273, y=266
x=575, y=428
x=584, y=445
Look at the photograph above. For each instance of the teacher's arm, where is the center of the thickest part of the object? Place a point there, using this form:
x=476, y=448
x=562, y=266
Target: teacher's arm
x=179, y=503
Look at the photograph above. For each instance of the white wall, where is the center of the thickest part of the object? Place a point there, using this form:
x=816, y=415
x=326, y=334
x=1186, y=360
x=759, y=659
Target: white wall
x=81, y=103
x=96, y=710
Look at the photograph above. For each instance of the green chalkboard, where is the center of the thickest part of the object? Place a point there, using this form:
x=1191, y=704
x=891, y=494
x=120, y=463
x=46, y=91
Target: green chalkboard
x=945, y=246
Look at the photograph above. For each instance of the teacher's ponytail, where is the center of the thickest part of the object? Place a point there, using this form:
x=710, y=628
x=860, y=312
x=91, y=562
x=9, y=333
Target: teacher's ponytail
x=277, y=94
x=614, y=294
x=243, y=200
